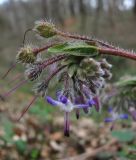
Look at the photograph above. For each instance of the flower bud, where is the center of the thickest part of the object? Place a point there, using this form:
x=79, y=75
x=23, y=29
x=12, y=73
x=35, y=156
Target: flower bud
x=105, y=64
x=41, y=88
x=107, y=74
x=90, y=67
x=33, y=72
x=45, y=29
x=26, y=55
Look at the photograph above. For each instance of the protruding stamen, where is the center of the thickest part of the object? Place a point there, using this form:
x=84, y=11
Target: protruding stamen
x=97, y=103
x=26, y=109
x=77, y=113
x=66, y=124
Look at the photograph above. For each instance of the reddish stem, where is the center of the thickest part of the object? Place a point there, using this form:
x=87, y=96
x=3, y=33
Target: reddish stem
x=118, y=53
x=84, y=38
x=26, y=109
x=9, y=70
x=16, y=87
x=54, y=73
x=38, y=50
x=53, y=60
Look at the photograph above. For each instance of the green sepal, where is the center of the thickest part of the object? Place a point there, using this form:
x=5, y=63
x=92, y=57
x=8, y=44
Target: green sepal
x=75, y=48
x=72, y=70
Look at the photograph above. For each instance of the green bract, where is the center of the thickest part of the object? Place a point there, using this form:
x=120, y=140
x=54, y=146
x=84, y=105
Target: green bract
x=75, y=48
x=128, y=87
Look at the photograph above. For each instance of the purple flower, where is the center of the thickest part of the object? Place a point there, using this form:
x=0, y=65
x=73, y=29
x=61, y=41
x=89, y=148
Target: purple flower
x=51, y=101
x=67, y=106
x=132, y=112
x=97, y=103
x=114, y=116
x=91, y=102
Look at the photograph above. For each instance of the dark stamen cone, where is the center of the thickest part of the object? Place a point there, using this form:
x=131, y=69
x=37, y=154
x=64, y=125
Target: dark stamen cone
x=112, y=127
x=85, y=110
x=26, y=109
x=77, y=113
x=9, y=70
x=66, y=124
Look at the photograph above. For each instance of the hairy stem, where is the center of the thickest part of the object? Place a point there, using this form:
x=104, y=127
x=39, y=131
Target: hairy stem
x=84, y=38
x=26, y=109
x=8, y=71
x=15, y=88
x=118, y=53
x=54, y=73
x=38, y=50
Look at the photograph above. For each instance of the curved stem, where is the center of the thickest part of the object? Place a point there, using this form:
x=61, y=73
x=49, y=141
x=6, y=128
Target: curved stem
x=85, y=38
x=53, y=60
x=8, y=71
x=38, y=50
x=118, y=53
x=54, y=73
x=28, y=30
x=26, y=109
x=16, y=87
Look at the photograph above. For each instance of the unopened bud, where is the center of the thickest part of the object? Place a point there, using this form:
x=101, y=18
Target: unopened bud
x=45, y=29
x=105, y=64
x=26, y=55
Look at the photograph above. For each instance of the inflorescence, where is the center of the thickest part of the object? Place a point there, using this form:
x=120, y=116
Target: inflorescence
x=79, y=67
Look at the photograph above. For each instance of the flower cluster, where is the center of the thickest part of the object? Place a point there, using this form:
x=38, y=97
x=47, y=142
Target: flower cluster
x=115, y=116
x=80, y=70
x=123, y=96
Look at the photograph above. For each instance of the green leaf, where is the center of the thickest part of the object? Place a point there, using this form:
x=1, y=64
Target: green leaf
x=8, y=128
x=127, y=83
x=75, y=48
x=35, y=154
x=21, y=146
x=72, y=69
x=124, y=136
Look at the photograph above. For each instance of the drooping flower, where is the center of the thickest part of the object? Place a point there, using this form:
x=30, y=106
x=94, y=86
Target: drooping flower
x=114, y=117
x=66, y=105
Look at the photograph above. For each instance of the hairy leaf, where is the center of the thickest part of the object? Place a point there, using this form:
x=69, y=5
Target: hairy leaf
x=75, y=48
x=131, y=82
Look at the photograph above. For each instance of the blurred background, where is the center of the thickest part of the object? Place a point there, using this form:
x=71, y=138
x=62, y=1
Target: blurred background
x=39, y=135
